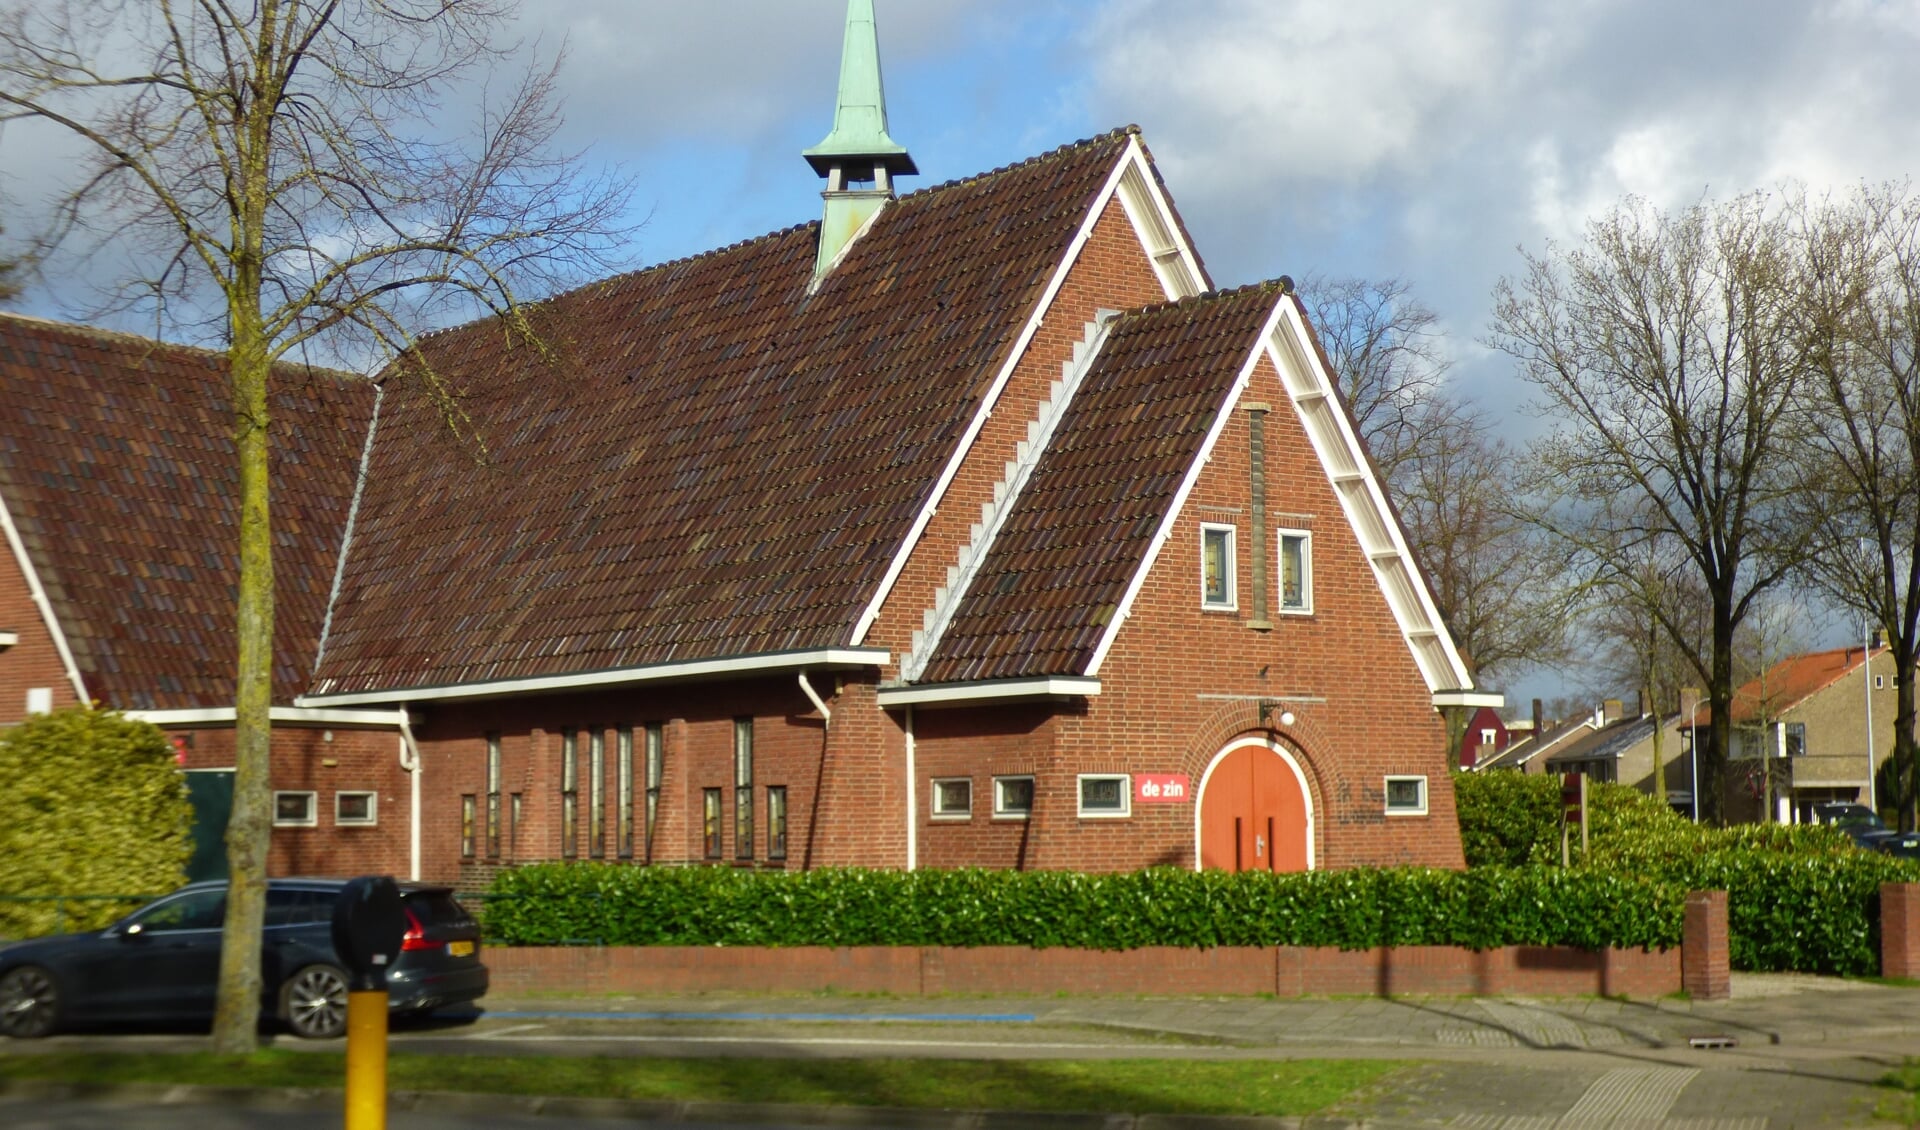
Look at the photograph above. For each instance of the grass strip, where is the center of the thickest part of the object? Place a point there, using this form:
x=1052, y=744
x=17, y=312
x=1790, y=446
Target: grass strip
x=1129, y=1086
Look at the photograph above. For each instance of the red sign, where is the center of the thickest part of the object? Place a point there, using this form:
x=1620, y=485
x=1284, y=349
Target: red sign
x=1161, y=788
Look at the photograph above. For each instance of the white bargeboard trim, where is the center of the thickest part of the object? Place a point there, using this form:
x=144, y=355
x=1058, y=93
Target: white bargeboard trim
x=996, y=690
x=293, y=715
x=39, y=596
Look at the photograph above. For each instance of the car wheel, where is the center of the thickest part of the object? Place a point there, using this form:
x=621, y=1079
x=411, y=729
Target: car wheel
x=29, y=1002
x=314, y=1002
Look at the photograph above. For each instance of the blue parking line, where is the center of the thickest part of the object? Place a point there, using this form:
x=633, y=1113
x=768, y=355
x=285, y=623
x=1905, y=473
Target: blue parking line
x=892, y=1017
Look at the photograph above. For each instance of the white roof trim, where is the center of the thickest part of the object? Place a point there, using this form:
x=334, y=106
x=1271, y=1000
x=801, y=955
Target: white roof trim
x=618, y=676
x=40, y=601
x=998, y=690
x=223, y=715
x=1469, y=698
x=1316, y=402
x=1172, y=517
x=1133, y=160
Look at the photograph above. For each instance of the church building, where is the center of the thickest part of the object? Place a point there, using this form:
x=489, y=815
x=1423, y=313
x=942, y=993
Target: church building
x=966, y=526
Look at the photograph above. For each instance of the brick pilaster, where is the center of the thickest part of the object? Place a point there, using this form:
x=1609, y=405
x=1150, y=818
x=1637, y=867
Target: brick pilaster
x=1900, y=930
x=1704, y=968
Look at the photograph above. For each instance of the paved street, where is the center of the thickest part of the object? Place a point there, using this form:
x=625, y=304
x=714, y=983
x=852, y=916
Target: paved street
x=1791, y=1051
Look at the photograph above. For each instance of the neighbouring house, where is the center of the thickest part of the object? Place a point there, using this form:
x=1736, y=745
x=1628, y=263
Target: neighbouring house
x=1811, y=728
x=1486, y=736
x=968, y=526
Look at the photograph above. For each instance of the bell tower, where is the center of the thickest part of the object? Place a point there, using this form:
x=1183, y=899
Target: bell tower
x=858, y=159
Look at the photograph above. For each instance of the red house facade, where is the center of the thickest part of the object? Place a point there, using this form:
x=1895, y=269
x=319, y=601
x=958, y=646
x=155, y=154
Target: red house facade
x=989, y=536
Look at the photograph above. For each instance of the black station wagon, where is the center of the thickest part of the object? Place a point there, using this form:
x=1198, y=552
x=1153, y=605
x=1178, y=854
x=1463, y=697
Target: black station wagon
x=161, y=963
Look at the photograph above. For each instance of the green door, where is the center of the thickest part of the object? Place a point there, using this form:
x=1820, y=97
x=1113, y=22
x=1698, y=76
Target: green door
x=211, y=791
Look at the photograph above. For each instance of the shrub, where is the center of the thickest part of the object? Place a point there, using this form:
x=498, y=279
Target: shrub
x=559, y=903
x=1505, y=816
x=93, y=805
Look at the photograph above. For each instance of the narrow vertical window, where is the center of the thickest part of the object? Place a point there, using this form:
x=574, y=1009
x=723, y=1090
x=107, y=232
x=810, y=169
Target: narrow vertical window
x=1217, y=587
x=743, y=788
x=710, y=826
x=596, y=793
x=493, y=796
x=1296, y=571
x=569, y=797
x=623, y=797
x=776, y=821
x=513, y=824
x=656, y=762
x=466, y=826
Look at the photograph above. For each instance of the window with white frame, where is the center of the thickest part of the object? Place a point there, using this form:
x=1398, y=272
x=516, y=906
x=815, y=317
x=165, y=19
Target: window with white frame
x=1406, y=796
x=1012, y=798
x=1218, y=588
x=1296, y=571
x=294, y=809
x=1105, y=795
x=952, y=798
x=361, y=809
x=1489, y=737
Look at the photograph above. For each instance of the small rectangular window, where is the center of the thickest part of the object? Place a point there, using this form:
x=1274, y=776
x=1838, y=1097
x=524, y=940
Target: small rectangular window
x=1217, y=587
x=743, y=788
x=493, y=796
x=953, y=798
x=356, y=809
x=1105, y=795
x=623, y=796
x=513, y=823
x=596, y=793
x=710, y=828
x=295, y=809
x=656, y=764
x=1406, y=796
x=1796, y=739
x=569, y=796
x=466, y=826
x=1012, y=798
x=39, y=700
x=776, y=821
x=1296, y=571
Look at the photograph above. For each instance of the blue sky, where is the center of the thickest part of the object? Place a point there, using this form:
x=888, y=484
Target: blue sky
x=1425, y=139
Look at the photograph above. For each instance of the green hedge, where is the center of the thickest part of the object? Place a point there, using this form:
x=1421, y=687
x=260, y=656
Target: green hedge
x=614, y=904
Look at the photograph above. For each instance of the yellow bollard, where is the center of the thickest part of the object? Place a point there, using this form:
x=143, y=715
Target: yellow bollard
x=367, y=1060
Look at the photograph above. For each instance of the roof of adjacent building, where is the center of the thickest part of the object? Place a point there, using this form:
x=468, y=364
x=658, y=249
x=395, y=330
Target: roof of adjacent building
x=718, y=459
x=1610, y=740
x=1790, y=682
x=1080, y=529
x=117, y=466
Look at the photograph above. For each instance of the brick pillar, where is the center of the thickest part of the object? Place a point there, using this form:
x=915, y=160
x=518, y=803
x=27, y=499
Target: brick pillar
x=1900, y=930
x=1703, y=947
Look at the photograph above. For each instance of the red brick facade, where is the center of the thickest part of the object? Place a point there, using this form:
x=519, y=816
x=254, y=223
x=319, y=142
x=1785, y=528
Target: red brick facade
x=34, y=662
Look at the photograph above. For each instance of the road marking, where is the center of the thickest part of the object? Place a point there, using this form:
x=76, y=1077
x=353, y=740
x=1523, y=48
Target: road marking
x=762, y=1017
x=499, y=1032
x=1629, y=1095
x=820, y=1041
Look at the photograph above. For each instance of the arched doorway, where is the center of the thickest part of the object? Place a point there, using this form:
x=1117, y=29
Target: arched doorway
x=1255, y=811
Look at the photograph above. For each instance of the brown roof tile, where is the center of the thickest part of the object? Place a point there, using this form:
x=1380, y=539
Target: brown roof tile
x=117, y=465
x=716, y=463
x=1055, y=575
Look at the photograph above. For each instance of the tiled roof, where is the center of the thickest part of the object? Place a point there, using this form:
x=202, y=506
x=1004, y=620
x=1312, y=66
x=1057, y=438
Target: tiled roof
x=1053, y=578
x=715, y=462
x=117, y=464
x=1789, y=682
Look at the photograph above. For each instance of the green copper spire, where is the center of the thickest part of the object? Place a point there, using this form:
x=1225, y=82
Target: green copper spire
x=859, y=139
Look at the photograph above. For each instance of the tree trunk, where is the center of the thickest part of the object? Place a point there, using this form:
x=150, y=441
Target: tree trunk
x=1713, y=760
x=236, y=1017
x=1905, y=662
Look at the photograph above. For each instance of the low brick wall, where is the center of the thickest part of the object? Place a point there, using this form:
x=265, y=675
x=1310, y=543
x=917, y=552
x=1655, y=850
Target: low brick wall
x=909, y=971
x=1900, y=930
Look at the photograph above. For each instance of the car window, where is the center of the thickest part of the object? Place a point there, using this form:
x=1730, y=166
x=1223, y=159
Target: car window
x=437, y=908
x=195, y=910
x=298, y=907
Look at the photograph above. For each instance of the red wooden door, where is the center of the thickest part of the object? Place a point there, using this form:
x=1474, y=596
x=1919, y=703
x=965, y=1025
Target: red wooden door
x=1253, y=815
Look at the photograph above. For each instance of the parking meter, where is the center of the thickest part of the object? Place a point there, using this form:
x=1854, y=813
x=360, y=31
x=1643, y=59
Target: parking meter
x=368, y=927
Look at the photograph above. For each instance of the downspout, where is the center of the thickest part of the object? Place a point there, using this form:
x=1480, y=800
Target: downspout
x=410, y=763
x=913, y=832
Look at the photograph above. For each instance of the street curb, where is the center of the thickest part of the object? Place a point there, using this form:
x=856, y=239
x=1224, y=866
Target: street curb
x=460, y=1102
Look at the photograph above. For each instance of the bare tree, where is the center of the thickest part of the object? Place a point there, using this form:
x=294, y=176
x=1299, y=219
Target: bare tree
x=1389, y=357
x=8, y=270
x=1669, y=347
x=1501, y=589
x=1860, y=474
x=293, y=177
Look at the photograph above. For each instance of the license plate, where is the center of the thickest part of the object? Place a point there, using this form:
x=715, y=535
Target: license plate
x=460, y=949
